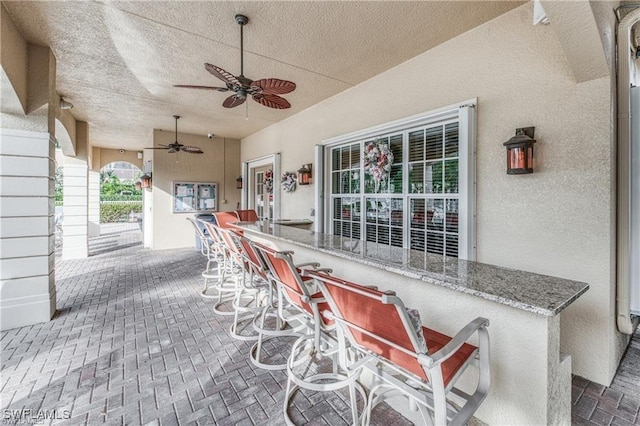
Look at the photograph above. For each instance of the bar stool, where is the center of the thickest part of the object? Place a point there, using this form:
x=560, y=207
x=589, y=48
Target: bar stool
x=318, y=344
x=270, y=323
x=225, y=277
x=247, y=215
x=406, y=358
x=251, y=289
x=209, y=250
x=226, y=219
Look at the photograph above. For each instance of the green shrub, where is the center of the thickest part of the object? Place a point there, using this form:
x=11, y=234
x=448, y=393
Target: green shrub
x=115, y=211
x=133, y=197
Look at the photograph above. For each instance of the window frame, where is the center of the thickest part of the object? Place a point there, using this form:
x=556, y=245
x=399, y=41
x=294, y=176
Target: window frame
x=464, y=113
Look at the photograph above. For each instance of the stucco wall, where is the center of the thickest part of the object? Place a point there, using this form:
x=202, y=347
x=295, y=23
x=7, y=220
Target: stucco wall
x=14, y=60
x=112, y=155
x=220, y=163
x=555, y=221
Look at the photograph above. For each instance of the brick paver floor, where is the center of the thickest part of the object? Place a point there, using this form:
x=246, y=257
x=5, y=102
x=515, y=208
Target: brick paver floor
x=618, y=405
x=134, y=343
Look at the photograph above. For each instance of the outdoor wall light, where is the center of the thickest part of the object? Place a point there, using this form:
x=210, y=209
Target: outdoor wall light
x=145, y=181
x=520, y=152
x=239, y=182
x=304, y=174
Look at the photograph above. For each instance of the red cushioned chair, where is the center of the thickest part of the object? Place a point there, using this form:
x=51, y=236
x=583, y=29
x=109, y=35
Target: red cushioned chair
x=225, y=284
x=269, y=323
x=226, y=219
x=416, y=361
x=319, y=343
x=247, y=215
x=208, y=249
x=251, y=289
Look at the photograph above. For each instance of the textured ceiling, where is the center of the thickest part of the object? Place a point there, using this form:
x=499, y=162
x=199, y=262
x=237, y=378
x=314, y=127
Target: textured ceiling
x=117, y=61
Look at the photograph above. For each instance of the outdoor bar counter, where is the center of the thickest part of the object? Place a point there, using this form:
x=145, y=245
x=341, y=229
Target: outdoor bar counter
x=530, y=378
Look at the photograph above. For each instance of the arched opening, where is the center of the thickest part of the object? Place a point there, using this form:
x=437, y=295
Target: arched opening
x=120, y=193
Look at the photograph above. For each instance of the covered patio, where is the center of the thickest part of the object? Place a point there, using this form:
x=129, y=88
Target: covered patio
x=132, y=342
x=476, y=160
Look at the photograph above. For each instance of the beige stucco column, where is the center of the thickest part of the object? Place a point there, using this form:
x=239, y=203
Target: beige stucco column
x=94, y=204
x=75, y=225
x=27, y=167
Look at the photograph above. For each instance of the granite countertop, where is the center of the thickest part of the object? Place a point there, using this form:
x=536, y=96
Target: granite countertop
x=540, y=294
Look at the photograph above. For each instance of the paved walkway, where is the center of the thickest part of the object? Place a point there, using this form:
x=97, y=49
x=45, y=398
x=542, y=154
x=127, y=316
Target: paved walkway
x=133, y=343
x=594, y=404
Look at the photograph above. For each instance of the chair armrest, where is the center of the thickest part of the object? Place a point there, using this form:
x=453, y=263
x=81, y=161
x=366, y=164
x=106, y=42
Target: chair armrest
x=314, y=268
x=312, y=264
x=454, y=344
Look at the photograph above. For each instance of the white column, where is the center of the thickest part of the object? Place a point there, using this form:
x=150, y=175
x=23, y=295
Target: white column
x=75, y=196
x=75, y=225
x=94, y=204
x=27, y=240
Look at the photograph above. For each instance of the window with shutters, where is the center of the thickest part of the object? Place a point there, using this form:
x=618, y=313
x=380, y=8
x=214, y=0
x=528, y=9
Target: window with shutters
x=425, y=201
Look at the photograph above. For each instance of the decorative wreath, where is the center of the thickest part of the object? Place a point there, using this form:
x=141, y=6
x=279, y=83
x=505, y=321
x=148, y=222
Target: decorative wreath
x=268, y=181
x=377, y=161
x=289, y=182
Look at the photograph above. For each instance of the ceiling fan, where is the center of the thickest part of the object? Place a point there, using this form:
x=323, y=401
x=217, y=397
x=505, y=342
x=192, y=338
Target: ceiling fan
x=178, y=147
x=264, y=91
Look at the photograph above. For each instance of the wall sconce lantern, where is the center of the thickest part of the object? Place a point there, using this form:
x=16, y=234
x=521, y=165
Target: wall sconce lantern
x=304, y=174
x=138, y=186
x=520, y=152
x=239, y=182
x=145, y=181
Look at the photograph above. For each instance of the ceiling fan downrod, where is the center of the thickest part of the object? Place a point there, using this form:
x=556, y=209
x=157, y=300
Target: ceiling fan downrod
x=176, y=117
x=242, y=20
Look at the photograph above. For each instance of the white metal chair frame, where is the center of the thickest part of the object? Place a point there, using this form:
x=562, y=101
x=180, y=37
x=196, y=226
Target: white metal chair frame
x=251, y=288
x=318, y=342
x=226, y=277
x=439, y=403
x=208, y=248
x=273, y=308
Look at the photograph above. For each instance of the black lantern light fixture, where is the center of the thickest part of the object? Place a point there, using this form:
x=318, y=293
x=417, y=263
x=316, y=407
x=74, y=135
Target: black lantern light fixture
x=145, y=181
x=520, y=152
x=304, y=174
x=239, y=182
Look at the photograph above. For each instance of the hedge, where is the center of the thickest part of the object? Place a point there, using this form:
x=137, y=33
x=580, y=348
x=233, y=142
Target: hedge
x=113, y=211
x=133, y=197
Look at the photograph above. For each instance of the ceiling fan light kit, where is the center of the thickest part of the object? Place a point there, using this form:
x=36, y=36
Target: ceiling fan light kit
x=265, y=91
x=177, y=146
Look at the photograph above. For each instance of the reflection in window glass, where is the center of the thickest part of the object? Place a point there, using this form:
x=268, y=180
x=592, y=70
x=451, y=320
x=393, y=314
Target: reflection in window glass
x=415, y=207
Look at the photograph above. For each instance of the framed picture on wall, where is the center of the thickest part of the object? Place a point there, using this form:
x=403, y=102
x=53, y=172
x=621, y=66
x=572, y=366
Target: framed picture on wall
x=184, y=200
x=191, y=197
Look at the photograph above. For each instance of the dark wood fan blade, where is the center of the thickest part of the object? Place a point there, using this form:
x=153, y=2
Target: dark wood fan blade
x=188, y=86
x=274, y=86
x=233, y=101
x=159, y=147
x=272, y=101
x=172, y=150
x=192, y=149
x=223, y=75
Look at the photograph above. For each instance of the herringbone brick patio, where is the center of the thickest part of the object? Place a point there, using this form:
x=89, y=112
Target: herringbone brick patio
x=133, y=343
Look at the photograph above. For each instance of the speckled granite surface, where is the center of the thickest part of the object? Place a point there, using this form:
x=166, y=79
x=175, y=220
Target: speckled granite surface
x=541, y=294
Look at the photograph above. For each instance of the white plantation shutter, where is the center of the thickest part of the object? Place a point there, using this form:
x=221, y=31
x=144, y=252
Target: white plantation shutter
x=427, y=203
